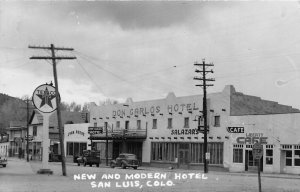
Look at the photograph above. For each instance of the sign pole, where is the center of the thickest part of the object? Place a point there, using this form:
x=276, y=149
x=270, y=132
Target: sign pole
x=46, y=144
x=257, y=151
x=258, y=171
x=42, y=98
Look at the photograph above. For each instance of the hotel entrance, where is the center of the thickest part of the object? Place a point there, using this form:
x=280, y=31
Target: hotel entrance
x=183, y=159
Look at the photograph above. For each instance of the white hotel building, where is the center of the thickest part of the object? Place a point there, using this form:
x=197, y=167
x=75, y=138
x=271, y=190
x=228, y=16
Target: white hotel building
x=164, y=132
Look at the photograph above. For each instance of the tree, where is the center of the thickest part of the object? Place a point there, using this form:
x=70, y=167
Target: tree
x=108, y=102
x=85, y=107
x=75, y=107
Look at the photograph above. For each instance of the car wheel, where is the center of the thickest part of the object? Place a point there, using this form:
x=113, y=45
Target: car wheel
x=112, y=165
x=135, y=167
x=4, y=165
x=84, y=163
x=123, y=166
x=97, y=164
x=91, y=164
x=78, y=164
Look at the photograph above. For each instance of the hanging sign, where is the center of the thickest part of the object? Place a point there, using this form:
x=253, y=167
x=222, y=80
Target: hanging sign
x=235, y=129
x=257, y=150
x=44, y=98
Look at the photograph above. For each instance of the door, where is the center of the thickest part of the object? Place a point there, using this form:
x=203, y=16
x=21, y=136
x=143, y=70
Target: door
x=116, y=150
x=183, y=159
x=251, y=163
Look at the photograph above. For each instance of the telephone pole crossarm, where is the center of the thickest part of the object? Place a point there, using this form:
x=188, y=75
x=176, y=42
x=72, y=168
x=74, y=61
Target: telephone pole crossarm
x=58, y=58
x=55, y=48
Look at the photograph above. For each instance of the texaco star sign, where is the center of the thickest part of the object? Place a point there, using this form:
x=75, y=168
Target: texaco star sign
x=44, y=98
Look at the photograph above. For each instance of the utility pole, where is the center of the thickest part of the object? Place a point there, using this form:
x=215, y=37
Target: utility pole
x=27, y=100
x=27, y=143
x=203, y=72
x=106, y=144
x=54, y=58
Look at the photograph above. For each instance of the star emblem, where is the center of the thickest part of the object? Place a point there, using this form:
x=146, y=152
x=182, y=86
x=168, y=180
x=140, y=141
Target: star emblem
x=46, y=98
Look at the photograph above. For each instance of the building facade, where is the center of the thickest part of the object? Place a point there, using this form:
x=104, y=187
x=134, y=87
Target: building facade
x=17, y=143
x=36, y=132
x=4, y=144
x=165, y=133
x=76, y=139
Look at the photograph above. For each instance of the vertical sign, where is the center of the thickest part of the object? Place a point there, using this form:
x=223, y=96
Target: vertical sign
x=44, y=100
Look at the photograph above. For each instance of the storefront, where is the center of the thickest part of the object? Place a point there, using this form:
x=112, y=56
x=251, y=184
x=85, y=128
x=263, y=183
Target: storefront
x=165, y=133
x=280, y=138
x=76, y=140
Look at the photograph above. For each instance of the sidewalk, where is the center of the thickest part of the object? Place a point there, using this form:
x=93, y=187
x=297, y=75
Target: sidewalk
x=245, y=174
x=32, y=168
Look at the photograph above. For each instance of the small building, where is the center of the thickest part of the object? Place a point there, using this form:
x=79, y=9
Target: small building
x=164, y=132
x=4, y=144
x=17, y=143
x=76, y=139
x=36, y=128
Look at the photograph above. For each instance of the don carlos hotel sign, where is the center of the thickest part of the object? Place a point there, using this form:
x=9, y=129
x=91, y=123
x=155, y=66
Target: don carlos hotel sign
x=155, y=109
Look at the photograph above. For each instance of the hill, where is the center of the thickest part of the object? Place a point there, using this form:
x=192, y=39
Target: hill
x=11, y=109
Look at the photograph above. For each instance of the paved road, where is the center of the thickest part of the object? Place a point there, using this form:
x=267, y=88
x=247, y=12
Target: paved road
x=21, y=176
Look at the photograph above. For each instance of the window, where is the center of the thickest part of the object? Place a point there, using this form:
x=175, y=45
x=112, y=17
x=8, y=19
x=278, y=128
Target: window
x=197, y=153
x=269, y=154
x=118, y=125
x=288, y=158
x=34, y=132
x=297, y=157
x=170, y=123
x=126, y=125
x=154, y=124
x=186, y=122
x=163, y=151
x=76, y=148
x=237, y=153
x=217, y=121
x=138, y=124
x=216, y=153
x=95, y=124
x=70, y=148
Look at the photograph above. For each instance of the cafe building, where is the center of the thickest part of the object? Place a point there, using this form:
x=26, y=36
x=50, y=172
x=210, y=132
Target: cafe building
x=164, y=132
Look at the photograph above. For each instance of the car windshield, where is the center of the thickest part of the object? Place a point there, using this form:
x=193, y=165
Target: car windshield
x=131, y=156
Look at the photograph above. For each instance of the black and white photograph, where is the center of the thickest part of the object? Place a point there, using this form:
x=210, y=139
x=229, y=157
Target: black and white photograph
x=142, y=96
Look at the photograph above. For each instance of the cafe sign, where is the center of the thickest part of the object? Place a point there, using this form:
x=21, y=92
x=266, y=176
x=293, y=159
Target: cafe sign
x=252, y=138
x=235, y=129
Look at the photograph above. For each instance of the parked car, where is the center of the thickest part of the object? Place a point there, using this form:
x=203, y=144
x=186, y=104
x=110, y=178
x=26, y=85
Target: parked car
x=125, y=160
x=3, y=162
x=89, y=157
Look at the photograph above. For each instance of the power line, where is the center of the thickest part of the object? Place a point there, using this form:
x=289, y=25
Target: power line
x=85, y=71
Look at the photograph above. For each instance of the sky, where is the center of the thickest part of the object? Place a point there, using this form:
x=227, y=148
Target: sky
x=144, y=50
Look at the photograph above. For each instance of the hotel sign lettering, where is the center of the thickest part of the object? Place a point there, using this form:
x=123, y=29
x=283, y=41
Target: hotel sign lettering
x=95, y=130
x=155, y=109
